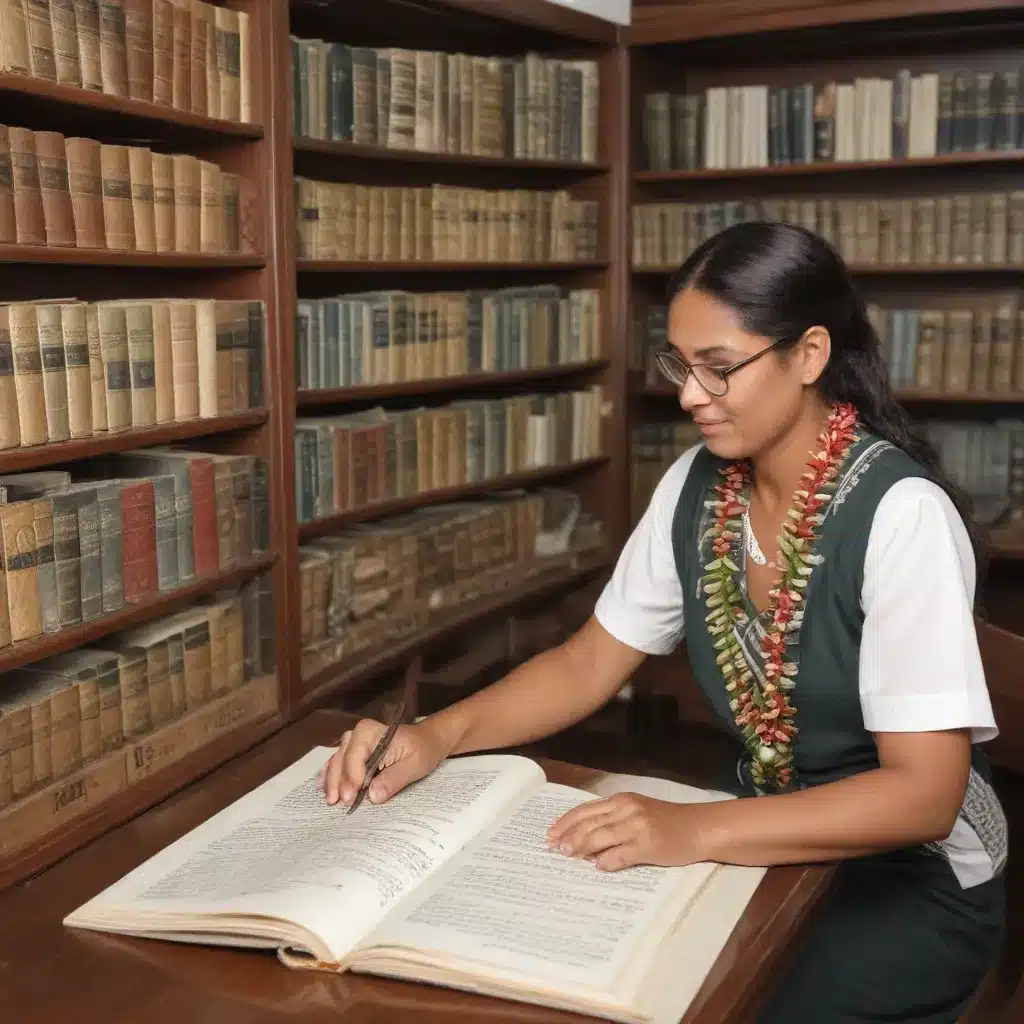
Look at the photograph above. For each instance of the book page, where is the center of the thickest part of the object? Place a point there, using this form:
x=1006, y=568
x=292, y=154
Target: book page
x=283, y=851
x=515, y=905
x=657, y=789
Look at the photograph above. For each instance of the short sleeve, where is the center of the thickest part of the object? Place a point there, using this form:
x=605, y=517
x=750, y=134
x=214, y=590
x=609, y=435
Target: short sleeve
x=642, y=604
x=920, y=665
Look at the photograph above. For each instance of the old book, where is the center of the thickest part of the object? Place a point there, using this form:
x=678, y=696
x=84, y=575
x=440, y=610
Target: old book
x=450, y=883
x=113, y=48
x=118, y=218
x=55, y=380
x=211, y=220
x=28, y=372
x=85, y=176
x=40, y=40
x=187, y=202
x=20, y=556
x=29, y=221
x=54, y=188
x=163, y=201
x=10, y=429
x=139, y=39
x=140, y=173
x=14, y=37
x=181, y=83
x=163, y=52
x=114, y=352
x=87, y=19
x=76, y=364
x=8, y=221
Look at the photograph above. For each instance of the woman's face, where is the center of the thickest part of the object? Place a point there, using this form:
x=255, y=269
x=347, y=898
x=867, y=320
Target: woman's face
x=764, y=398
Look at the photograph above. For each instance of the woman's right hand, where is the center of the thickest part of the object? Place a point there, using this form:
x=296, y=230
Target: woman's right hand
x=414, y=751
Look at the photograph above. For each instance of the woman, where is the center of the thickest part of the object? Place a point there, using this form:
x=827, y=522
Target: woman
x=856, y=623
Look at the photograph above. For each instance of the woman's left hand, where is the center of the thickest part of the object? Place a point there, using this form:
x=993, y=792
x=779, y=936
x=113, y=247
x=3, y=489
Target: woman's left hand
x=626, y=829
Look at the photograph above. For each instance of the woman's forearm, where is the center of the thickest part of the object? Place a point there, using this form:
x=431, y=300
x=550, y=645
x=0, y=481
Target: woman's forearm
x=869, y=813
x=544, y=695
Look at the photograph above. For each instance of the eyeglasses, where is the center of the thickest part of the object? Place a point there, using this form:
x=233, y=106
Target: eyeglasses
x=713, y=379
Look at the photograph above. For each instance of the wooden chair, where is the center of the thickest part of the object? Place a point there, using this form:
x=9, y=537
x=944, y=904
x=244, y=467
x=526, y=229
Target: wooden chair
x=1000, y=1000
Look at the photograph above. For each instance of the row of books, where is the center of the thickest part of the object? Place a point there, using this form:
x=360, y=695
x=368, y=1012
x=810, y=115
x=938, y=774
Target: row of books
x=529, y=107
x=184, y=54
x=394, y=336
x=80, y=193
x=349, y=462
x=65, y=712
x=376, y=584
x=442, y=222
x=976, y=228
x=954, y=350
x=71, y=369
x=653, y=448
x=872, y=118
x=115, y=530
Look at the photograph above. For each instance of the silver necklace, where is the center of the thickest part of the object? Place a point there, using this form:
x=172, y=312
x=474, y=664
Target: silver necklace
x=750, y=541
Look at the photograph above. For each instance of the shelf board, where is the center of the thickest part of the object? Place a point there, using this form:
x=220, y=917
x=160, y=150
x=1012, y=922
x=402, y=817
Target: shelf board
x=69, y=255
x=441, y=266
x=122, y=784
x=81, y=102
x=380, y=509
x=947, y=160
x=885, y=269
x=314, y=397
x=345, y=677
x=16, y=460
x=354, y=150
x=151, y=607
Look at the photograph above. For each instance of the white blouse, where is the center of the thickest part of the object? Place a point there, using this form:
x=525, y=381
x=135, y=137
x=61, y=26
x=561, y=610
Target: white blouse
x=920, y=667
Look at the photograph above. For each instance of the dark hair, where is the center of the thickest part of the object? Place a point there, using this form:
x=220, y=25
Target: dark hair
x=780, y=280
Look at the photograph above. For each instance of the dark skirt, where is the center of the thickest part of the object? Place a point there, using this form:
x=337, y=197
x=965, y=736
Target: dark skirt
x=897, y=940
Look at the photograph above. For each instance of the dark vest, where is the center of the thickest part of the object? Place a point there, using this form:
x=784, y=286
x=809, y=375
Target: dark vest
x=832, y=742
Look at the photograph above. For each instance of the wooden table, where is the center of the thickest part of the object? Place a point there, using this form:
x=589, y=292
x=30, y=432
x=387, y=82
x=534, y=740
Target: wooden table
x=51, y=974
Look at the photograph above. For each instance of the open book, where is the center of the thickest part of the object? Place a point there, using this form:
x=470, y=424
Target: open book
x=450, y=882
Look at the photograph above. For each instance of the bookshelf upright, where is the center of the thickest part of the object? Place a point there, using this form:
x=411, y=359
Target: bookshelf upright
x=454, y=195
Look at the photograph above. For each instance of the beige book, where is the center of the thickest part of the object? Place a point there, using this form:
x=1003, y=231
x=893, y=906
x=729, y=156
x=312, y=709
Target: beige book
x=139, y=325
x=163, y=52
x=211, y=223
x=194, y=628
x=114, y=350
x=54, y=188
x=10, y=428
x=113, y=48
x=136, y=720
x=14, y=49
x=65, y=42
x=187, y=203
x=139, y=39
x=40, y=40
x=56, y=716
x=140, y=173
x=213, y=357
x=118, y=217
x=244, y=68
x=200, y=31
x=20, y=554
x=163, y=201
x=153, y=649
x=87, y=24
x=163, y=360
x=169, y=633
x=184, y=359
x=77, y=366
x=451, y=883
x=97, y=374
x=8, y=221
x=28, y=373
x=18, y=716
x=181, y=82
x=55, y=378
x=29, y=221
x=216, y=616
x=228, y=48
x=85, y=178
x=208, y=14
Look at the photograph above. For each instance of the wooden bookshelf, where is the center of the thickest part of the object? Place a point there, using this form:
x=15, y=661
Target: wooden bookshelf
x=807, y=51
x=51, y=820
x=448, y=27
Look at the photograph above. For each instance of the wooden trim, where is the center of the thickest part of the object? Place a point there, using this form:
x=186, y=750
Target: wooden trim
x=541, y=14
x=527, y=478
x=354, y=151
x=307, y=398
x=68, y=255
x=15, y=460
x=944, y=161
x=679, y=23
x=75, y=100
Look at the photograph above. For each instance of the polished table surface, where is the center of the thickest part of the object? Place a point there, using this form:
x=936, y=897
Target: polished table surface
x=50, y=974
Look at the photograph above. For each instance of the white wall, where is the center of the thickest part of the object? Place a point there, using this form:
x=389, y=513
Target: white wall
x=611, y=10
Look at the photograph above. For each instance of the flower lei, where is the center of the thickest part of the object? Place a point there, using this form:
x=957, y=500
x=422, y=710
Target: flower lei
x=765, y=714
